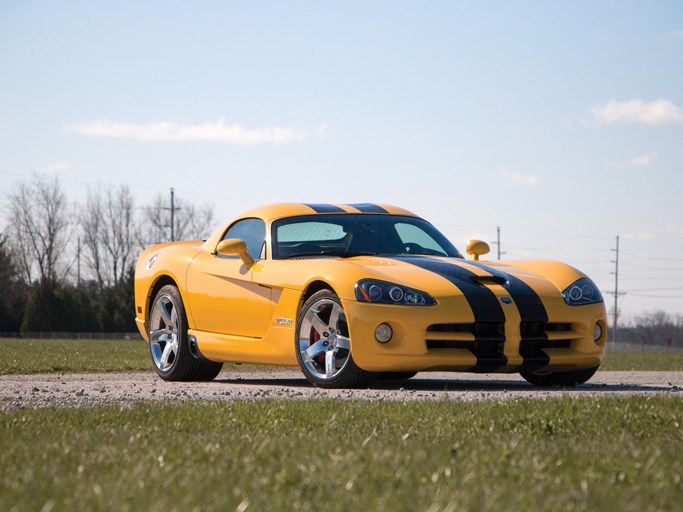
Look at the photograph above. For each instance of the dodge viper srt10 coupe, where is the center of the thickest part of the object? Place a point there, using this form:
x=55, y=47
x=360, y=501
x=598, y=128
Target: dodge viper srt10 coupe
x=353, y=292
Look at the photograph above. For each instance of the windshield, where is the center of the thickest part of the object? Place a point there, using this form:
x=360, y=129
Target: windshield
x=349, y=235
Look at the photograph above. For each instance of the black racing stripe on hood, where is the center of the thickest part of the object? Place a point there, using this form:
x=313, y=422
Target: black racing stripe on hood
x=482, y=301
x=368, y=208
x=325, y=208
x=532, y=312
x=529, y=304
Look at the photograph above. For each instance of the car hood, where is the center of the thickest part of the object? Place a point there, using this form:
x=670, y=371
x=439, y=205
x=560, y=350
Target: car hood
x=448, y=276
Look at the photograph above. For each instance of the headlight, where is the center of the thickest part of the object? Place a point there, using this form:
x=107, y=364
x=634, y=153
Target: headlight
x=381, y=292
x=581, y=292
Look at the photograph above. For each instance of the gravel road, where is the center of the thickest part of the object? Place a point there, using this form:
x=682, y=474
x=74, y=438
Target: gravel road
x=88, y=389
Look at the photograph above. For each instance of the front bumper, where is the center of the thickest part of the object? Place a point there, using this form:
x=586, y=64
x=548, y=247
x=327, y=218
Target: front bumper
x=445, y=337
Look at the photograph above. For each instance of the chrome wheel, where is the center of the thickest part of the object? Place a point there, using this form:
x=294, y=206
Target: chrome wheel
x=164, y=332
x=324, y=342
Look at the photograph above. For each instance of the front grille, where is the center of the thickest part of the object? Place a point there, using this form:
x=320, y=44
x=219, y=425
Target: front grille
x=558, y=327
x=534, y=336
x=486, y=341
x=482, y=331
x=487, y=345
x=483, y=347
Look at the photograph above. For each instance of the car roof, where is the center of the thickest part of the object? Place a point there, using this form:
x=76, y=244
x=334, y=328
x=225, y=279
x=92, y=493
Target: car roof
x=276, y=211
x=279, y=210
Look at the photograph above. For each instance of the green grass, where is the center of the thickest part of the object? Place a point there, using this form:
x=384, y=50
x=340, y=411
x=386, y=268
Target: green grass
x=41, y=356
x=560, y=454
x=642, y=361
x=22, y=356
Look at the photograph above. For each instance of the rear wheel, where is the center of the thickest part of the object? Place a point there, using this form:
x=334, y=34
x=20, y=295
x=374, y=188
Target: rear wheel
x=168, y=341
x=560, y=378
x=323, y=346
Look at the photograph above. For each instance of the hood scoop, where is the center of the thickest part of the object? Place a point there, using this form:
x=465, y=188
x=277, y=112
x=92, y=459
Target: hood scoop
x=499, y=278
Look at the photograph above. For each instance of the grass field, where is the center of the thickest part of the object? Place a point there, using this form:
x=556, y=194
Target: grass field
x=560, y=454
x=40, y=356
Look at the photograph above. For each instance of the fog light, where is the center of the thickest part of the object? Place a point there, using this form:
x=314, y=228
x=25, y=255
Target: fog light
x=597, y=332
x=383, y=333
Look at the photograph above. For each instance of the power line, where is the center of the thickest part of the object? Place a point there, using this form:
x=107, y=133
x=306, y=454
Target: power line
x=140, y=187
x=675, y=289
x=497, y=242
x=561, y=235
x=648, y=296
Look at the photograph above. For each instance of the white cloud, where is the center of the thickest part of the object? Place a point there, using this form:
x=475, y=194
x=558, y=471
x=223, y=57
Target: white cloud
x=517, y=178
x=322, y=130
x=674, y=229
x=655, y=112
x=677, y=35
x=636, y=162
x=53, y=168
x=167, y=131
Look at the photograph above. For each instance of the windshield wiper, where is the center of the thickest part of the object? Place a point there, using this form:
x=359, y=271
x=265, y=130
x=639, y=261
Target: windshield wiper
x=341, y=254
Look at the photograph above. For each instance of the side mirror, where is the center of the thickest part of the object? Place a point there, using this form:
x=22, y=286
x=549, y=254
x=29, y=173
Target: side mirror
x=476, y=248
x=235, y=247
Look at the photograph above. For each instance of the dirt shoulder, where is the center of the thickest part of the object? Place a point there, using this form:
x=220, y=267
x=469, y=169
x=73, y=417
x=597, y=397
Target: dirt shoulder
x=84, y=389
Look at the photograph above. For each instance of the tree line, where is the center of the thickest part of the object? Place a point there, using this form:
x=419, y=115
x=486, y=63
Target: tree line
x=69, y=268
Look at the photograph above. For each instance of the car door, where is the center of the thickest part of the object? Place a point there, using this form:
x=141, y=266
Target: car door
x=222, y=294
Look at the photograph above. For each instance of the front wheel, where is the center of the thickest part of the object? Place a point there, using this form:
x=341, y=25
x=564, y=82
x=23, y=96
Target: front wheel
x=323, y=346
x=552, y=379
x=168, y=342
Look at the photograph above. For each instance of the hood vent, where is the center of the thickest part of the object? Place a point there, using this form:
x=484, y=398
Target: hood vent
x=497, y=279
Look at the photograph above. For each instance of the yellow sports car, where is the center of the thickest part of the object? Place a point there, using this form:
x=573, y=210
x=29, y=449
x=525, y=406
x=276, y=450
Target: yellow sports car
x=352, y=292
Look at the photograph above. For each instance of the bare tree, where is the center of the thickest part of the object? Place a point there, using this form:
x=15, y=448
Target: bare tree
x=191, y=222
x=655, y=328
x=154, y=227
x=108, y=225
x=40, y=228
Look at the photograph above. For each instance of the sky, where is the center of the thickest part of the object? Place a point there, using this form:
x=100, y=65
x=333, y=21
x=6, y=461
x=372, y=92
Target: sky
x=559, y=122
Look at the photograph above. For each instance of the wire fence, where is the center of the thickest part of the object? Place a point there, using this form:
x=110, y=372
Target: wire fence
x=73, y=335
x=611, y=346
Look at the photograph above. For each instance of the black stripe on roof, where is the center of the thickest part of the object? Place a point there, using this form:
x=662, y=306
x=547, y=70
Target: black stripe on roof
x=325, y=208
x=368, y=208
x=483, y=302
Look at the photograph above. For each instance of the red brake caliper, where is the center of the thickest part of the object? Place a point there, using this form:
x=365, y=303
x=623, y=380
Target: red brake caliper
x=315, y=336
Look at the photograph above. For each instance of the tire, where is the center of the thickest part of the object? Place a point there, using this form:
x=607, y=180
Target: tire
x=168, y=341
x=323, y=346
x=553, y=379
x=397, y=375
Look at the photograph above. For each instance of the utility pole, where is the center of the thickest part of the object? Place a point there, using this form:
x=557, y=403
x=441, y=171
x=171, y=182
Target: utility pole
x=497, y=242
x=172, y=217
x=173, y=210
x=616, y=291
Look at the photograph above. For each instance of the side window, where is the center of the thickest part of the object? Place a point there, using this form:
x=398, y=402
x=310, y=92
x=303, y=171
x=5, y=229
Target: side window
x=252, y=231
